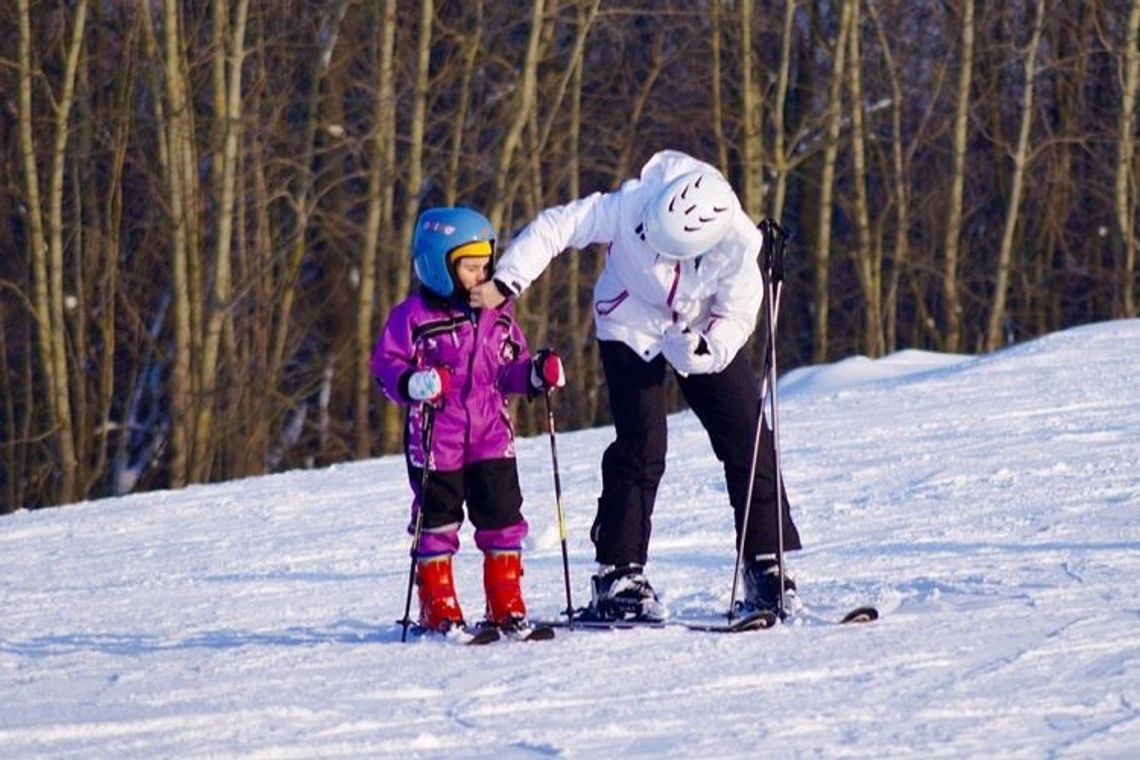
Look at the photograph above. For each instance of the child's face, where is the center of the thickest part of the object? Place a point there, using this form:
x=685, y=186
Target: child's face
x=472, y=271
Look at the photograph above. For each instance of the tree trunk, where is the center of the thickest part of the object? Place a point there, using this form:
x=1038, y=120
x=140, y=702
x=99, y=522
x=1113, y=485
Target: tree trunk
x=716, y=35
x=994, y=330
x=781, y=161
x=415, y=167
x=951, y=298
x=47, y=244
x=472, y=44
x=379, y=212
x=822, y=262
x=900, y=181
x=1124, y=194
x=218, y=307
x=868, y=257
x=752, y=168
x=523, y=103
x=175, y=139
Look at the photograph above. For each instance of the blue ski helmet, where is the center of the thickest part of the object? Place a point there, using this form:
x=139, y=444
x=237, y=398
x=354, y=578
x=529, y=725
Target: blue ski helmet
x=444, y=235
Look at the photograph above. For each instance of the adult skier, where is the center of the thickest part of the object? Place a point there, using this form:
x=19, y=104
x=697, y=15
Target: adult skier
x=681, y=287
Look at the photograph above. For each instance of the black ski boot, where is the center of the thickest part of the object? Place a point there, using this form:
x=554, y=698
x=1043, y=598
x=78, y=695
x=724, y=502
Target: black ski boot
x=623, y=593
x=762, y=588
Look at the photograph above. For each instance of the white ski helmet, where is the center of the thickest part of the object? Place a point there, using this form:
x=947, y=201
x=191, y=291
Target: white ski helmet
x=690, y=215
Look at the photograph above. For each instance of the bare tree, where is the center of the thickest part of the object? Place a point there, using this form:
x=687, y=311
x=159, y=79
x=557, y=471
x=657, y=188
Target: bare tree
x=524, y=102
x=1020, y=158
x=781, y=160
x=752, y=161
x=1124, y=194
x=46, y=240
x=868, y=256
x=229, y=56
x=951, y=299
x=822, y=263
x=716, y=11
x=380, y=199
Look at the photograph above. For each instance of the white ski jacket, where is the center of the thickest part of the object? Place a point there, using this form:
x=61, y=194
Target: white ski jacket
x=640, y=294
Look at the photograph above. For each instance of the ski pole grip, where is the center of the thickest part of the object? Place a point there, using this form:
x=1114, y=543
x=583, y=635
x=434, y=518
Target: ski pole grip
x=774, y=247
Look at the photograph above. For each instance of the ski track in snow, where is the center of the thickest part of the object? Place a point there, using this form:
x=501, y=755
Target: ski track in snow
x=989, y=506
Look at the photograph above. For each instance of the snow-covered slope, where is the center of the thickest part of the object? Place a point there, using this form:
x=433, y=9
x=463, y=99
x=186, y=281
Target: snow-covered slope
x=990, y=506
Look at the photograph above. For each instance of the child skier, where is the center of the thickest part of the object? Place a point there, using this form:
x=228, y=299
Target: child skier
x=455, y=365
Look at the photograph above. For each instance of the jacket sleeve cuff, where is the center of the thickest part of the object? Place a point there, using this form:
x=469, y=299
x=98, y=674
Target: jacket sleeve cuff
x=402, y=386
x=504, y=289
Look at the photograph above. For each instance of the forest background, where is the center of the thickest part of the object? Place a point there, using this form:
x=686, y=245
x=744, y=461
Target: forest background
x=206, y=207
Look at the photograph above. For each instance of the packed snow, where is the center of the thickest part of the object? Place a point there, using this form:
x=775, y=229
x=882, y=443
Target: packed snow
x=989, y=506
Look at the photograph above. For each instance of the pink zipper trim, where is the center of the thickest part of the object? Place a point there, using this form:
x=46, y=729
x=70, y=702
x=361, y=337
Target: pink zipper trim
x=676, y=282
x=608, y=306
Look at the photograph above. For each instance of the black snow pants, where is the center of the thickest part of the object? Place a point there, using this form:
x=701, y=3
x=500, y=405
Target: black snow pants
x=726, y=403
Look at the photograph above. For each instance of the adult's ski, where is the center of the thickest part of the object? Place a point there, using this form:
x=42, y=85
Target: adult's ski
x=860, y=615
x=757, y=621
x=853, y=616
x=753, y=622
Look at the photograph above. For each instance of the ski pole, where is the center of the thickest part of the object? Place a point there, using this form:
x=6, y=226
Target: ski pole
x=775, y=240
x=427, y=427
x=775, y=284
x=558, y=505
x=765, y=388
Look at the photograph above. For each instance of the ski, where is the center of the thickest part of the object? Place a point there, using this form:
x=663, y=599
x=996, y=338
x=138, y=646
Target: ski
x=753, y=622
x=525, y=632
x=485, y=633
x=533, y=633
x=477, y=636
x=604, y=625
x=757, y=621
x=484, y=636
x=860, y=615
x=854, y=616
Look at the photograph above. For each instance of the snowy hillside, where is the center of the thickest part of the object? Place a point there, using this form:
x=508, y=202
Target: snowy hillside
x=989, y=506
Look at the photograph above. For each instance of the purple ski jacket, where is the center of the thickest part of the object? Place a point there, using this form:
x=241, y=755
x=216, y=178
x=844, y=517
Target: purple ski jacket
x=487, y=355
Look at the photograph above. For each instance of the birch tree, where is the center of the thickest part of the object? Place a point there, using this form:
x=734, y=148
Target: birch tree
x=1124, y=189
x=898, y=180
x=781, y=158
x=868, y=257
x=994, y=332
x=752, y=160
x=822, y=260
x=229, y=57
x=951, y=298
x=46, y=239
x=379, y=216
x=521, y=107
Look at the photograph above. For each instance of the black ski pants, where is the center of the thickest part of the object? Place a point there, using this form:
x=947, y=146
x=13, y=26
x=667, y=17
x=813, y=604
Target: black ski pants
x=726, y=403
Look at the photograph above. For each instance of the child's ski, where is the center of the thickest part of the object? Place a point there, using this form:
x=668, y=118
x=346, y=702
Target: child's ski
x=476, y=636
x=535, y=632
x=482, y=636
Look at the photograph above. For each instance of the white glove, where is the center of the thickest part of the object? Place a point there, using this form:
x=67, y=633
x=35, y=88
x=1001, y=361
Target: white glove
x=679, y=347
x=428, y=384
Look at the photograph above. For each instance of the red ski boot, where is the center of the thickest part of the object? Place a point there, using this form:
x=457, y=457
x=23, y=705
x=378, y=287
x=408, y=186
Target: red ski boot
x=439, y=607
x=502, y=570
